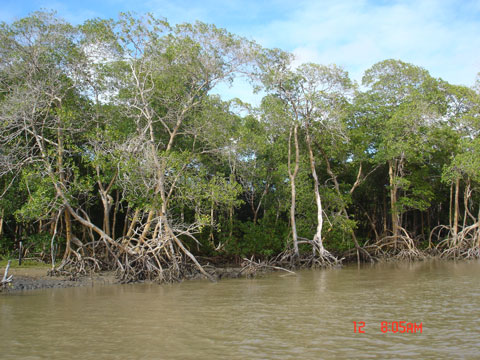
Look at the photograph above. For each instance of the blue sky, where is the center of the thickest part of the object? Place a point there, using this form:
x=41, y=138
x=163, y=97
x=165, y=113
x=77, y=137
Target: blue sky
x=442, y=36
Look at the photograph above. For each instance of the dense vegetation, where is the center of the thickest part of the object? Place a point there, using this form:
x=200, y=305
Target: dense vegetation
x=115, y=155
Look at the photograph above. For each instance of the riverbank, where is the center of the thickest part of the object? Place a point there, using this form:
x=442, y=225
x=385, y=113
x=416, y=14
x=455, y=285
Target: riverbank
x=37, y=277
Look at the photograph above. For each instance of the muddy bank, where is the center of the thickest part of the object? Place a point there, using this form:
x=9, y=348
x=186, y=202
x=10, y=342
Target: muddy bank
x=38, y=278
x=28, y=283
x=32, y=278
x=228, y=272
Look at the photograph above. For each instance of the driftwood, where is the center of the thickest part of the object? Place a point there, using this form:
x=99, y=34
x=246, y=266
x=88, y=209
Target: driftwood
x=7, y=279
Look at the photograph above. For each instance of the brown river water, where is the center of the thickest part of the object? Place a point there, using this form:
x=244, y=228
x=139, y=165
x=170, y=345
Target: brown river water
x=305, y=316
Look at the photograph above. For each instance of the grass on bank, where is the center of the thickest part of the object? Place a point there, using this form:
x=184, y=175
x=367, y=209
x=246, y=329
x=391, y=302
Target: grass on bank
x=25, y=264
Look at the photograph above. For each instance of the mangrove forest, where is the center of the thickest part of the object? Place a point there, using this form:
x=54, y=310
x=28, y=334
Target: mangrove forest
x=118, y=154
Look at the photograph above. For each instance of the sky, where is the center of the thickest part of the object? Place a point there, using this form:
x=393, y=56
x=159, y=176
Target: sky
x=443, y=36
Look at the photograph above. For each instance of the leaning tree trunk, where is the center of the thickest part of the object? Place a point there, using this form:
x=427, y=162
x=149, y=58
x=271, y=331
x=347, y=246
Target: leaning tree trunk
x=107, y=200
x=317, y=238
x=257, y=209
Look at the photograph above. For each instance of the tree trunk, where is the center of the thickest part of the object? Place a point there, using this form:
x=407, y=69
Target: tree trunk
x=126, y=222
x=146, y=229
x=450, y=223
x=466, y=198
x=68, y=234
x=257, y=209
x=385, y=211
x=422, y=226
x=107, y=206
x=115, y=211
x=230, y=215
x=373, y=225
x=231, y=209
x=107, y=200
x=317, y=238
x=455, y=214
x=61, y=175
x=292, y=176
x=393, y=197
x=414, y=223
x=212, y=223
x=133, y=223
x=2, y=213
x=429, y=224
x=478, y=228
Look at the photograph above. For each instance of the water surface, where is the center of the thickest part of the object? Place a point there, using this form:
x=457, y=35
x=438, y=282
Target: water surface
x=308, y=316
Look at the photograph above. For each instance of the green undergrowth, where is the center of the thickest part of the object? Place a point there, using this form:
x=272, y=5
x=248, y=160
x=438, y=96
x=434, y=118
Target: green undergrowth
x=25, y=264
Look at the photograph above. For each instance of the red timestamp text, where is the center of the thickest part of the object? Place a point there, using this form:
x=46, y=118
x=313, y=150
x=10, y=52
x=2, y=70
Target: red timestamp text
x=358, y=327
x=400, y=327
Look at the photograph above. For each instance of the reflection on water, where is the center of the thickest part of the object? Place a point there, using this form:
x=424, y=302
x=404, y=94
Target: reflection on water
x=307, y=316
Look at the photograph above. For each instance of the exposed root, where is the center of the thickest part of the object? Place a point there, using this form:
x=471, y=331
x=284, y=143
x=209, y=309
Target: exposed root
x=366, y=253
x=320, y=258
x=400, y=247
x=163, y=258
x=250, y=267
x=464, y=245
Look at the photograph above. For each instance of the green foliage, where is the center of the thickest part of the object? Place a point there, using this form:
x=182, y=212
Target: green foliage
x=41, y=196
x=40, y=244
x=266, y=238
x=338, y=236
x=6, y=248
x=465, y=104
x=417, y=193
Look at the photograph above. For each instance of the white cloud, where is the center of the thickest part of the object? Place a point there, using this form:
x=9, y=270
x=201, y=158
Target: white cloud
x=438, y=35
x=441, y=36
